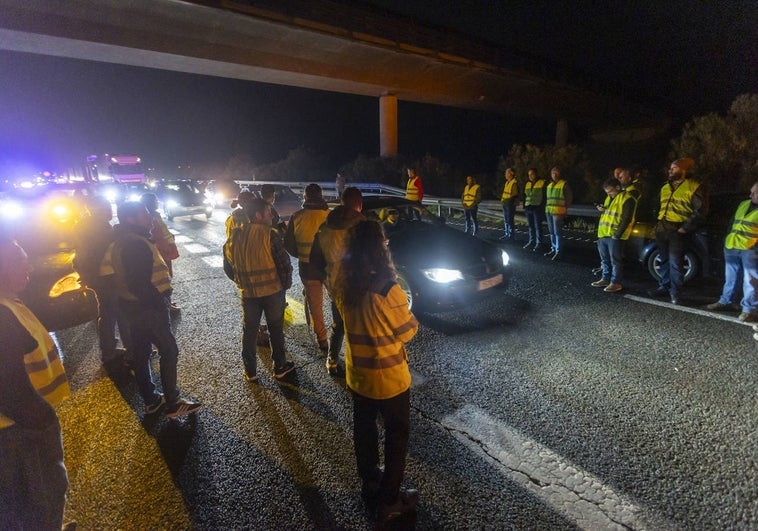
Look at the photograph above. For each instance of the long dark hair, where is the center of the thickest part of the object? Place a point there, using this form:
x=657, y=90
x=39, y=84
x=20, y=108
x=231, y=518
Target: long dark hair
x=366, y=262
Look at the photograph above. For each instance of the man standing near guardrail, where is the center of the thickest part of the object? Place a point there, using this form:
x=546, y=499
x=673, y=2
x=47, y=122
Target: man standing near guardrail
x=614, y=227
x=471, y=197
x=559, y=198
x=414, y=189
x=682, y=209
x=534, y=208
x=741, y=261
x=509, y=199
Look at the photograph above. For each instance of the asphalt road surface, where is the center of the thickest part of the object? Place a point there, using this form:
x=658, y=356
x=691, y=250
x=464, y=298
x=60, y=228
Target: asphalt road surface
x=552, y=405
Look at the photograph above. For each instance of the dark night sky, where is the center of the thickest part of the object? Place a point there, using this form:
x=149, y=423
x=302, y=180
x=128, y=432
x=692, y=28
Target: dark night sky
x=691, y=57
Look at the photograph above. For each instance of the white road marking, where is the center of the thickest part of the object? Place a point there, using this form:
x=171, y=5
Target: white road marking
x=214, y=260
x=570, y=490
x=687, y=309
x=182, y=239
x=196, y=248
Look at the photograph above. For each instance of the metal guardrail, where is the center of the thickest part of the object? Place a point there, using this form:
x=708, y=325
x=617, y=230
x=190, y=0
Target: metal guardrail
x=443, y=205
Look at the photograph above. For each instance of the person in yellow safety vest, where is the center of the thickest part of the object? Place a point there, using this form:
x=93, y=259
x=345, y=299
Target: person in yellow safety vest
x=263, y=274
x=509, y=199
x=741, y=261
x=298, y=240
x=682, y=208
x=414, y=189
x=534, y=208
x=164, y=240
x=329, y=246
x=470, y=199
x=558, y=199
x=378, y=323
x=33, y=479
x=144, y=290
x=614, y=228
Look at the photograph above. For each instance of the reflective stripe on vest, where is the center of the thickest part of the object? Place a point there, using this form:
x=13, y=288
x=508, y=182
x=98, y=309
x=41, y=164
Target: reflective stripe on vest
x=411, y=190
x=610, y=219
x=533, y=192
x=469, y=195
x=43, y=365
x=556, y=200
x=254, y=268
x=510, y=190
x=676, y=205
x=159, y=278
x=744, y=233
x=306, y=225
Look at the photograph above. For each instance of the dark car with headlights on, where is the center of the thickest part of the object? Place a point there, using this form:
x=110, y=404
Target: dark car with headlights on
x=438, y=267
x=182, y=198
x=42, y=219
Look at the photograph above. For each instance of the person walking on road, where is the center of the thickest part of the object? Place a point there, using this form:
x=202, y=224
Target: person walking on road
x=534, y=208
x=470, y=199
x=741, y=261
x=262, y=271
x=378, y=323
x=614, y=227
x=329, y=246
x=682, y=205
x=144, y=290
x=414, y=189
x=509, y=199
x=298, y=240
x=33, y=478
x=559, y=199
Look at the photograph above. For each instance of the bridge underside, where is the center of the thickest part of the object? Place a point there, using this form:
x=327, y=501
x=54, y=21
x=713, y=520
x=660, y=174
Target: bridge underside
x=251, y=44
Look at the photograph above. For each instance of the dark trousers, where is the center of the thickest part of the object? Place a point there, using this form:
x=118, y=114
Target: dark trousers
x=338, y=332
x=471, y=221
x=110, y=315
x=33, y=480
x=671, y=245
x=509, y=217
x=395, y=413
x=272, y=306
x=534, y=215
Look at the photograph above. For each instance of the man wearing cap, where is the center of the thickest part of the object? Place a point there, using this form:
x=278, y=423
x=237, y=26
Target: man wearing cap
x=682, y=207
x=298, y=240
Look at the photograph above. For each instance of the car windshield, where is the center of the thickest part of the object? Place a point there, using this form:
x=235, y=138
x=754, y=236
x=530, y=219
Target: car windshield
x=185, y=188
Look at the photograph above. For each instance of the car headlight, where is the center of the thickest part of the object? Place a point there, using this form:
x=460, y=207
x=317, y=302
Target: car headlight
x=172, y=203
x=443, y=276
x=135, y=197
x=68, y=283
x=12, y=210
x=506, y=258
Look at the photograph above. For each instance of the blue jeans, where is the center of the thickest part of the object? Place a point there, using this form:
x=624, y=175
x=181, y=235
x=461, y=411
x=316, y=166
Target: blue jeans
x=740, y=266
x=534, y=219
x=147, y=327
x=671, y=244
x=33, y=481
x=470, y=214
x=273, y=307
x=509, y=216
x=555, y=227
x=611, y=259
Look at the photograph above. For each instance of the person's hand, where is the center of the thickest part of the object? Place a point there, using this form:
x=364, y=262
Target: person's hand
x=681, y=230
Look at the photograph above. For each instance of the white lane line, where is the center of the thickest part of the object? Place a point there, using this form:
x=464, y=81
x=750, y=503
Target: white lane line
x=196, y=248
x=182, y=239
x=570, y=490
x=214, y=260
x=687, y=309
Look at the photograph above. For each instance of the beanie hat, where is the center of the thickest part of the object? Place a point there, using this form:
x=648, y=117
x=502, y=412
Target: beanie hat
x=685, y=164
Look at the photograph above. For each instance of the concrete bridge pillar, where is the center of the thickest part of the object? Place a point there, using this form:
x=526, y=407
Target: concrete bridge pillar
x=561, y=133
x=388, y=125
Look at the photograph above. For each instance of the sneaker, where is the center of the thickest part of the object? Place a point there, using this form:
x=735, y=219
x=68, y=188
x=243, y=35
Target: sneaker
x=613, y=288
x=748, y=318
x=151, y=409
x=173, y=308
x=556, y=256
x=600, y=283
x=405, y=503
x=284, y=370
x=331, y=364
x=597, y=270
x=718, y=307
x=252, y=378
x=528, y=244
x=551, y=252
x=181, y=407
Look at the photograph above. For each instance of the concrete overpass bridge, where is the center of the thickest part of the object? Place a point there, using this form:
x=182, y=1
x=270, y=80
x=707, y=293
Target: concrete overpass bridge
x=325, y=45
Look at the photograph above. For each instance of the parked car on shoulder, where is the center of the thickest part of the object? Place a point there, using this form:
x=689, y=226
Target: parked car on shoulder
x=42, y=219
x=438, y=267
x=182, y=198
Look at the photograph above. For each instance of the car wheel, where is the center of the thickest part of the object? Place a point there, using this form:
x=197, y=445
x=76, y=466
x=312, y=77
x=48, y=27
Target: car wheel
x=691, y=265
x=407, y=289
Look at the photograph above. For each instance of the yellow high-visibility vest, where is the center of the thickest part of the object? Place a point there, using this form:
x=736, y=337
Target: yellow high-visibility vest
x=470, y=193
x=610, y=219
x=744, y=233
x=556, y=199
x=534, y=192
x=510, y=190
x=676, y=205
